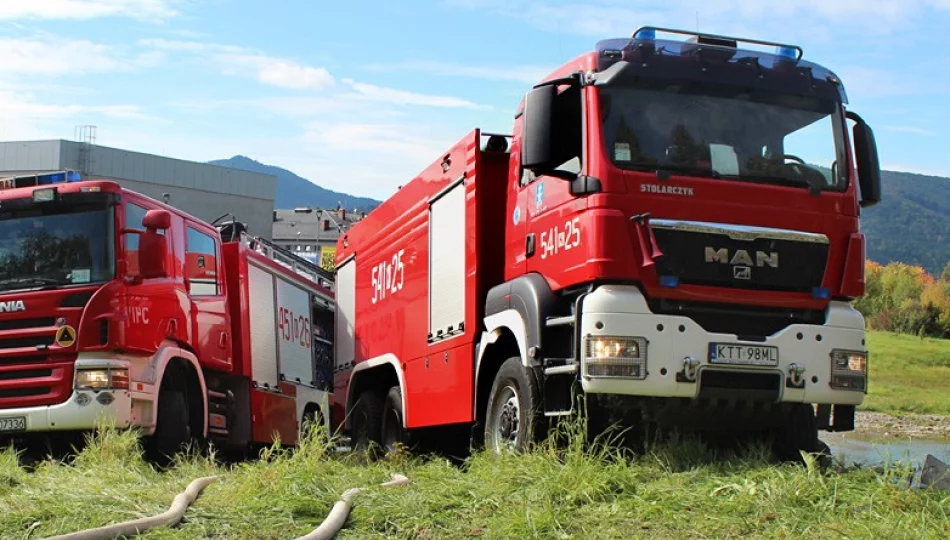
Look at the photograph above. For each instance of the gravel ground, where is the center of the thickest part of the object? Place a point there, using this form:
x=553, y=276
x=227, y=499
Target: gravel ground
x=912, y=425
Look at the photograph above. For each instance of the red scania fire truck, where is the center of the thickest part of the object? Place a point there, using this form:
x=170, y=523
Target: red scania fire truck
x=671, y=232
x=115, y=307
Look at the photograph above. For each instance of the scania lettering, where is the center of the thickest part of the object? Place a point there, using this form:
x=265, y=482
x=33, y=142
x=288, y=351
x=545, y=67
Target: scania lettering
x=670, y=234
x=12, y=306
x=144, y=316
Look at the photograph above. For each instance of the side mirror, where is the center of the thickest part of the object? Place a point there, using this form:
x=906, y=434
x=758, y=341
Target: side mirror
x=868, y=165
x=537, y=151
x=153, y=247
x=157, y=219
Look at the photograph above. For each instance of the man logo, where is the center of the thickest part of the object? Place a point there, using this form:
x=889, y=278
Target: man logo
x=741, y=257
x=741, y=272
x=12, y=306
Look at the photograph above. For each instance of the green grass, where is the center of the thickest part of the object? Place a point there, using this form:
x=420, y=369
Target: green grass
x=908, y=374
x=548, y=493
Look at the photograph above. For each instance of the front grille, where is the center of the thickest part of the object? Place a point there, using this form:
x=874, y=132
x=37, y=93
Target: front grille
x=26, y=342
x=752, y=322
x=35, y=384
x=23, y=324
x=741, y=258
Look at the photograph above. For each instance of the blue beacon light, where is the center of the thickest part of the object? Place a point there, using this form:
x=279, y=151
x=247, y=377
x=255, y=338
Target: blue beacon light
x=646, y=33
x=786, y=52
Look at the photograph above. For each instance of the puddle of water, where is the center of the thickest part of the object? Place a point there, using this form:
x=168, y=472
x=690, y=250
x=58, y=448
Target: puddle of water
x=870, y=453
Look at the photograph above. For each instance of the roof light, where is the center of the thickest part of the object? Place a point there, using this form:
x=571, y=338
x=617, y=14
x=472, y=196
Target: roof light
x=669, y=282
x=786, y=52
x=44, y=195
x=645, y=33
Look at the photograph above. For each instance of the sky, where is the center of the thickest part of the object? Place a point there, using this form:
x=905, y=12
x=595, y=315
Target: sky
x=361, y=96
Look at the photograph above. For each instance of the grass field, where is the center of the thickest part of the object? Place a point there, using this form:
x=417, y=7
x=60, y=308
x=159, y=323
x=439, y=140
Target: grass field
x=546, y=494
x=908, y=374
x=679, y=490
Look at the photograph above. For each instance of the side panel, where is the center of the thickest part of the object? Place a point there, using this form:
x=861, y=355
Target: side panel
x=295, y=333
x=273, y=415
x=447, y=244
x=344, y=337
x=263, y=327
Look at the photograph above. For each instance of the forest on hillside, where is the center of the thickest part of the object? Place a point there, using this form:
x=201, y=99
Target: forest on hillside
x=906, y=299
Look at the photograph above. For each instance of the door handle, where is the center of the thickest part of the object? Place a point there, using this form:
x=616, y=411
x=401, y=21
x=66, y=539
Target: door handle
x=529, y=245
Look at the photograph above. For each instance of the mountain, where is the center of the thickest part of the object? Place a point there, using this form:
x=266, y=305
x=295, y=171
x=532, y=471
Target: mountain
x=294, y=191
x=911, y=224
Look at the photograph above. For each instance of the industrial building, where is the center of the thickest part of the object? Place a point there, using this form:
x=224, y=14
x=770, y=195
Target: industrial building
x=312, y=232
x=200, y=189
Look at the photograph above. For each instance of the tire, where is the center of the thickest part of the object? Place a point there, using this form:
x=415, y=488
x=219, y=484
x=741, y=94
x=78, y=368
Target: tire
x=393, y=432
x=512, y=417
x=367, y=421
x=800, y=434
x=173, y=430
x=313, y=419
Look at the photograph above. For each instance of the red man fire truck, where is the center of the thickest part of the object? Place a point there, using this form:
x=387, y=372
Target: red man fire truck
x=116, y=307
x=671, y=232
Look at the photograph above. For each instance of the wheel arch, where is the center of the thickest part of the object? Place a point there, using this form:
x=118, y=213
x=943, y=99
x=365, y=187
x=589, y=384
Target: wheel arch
x=380, y=374
x=170, y=359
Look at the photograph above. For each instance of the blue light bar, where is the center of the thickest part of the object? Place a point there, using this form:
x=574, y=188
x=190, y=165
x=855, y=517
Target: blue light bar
x=821, y=293
x=646, y=33
x=786, y=52
x=670, y=282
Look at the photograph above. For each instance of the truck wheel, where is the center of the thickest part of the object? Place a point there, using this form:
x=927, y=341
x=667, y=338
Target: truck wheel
x=800, y=434
x=313, y=421
x=394, y=434
x=172, y=427
x=367, y=421
x=511, y=419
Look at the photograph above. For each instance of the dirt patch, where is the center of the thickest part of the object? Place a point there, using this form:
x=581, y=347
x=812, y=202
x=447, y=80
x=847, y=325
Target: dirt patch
x=923, y=426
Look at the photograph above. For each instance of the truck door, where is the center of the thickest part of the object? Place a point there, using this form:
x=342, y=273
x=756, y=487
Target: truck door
x=204, y=277
x=553, y=213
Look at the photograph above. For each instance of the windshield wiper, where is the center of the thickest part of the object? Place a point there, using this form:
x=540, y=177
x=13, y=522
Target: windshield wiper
x=29, y=282
x=682, y=170
x=778, y=180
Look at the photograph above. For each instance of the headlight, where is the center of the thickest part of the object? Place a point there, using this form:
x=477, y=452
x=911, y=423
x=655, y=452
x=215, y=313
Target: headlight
x=102, y=379
x=849, y=370
x=611, y=356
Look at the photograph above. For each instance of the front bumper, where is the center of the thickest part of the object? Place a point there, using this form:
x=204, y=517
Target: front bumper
x=622, y=311
x=84, y=410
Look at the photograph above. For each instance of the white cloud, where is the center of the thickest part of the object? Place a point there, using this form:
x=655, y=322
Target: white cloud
x=402, y=97
x=87, y=9
x=22, y=116
x=51, y=56
x=235, y=60
x=372, y=140
x=523, y=74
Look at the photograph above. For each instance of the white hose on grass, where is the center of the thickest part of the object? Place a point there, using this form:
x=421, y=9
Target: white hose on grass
x=341, y=509
x=170, y=517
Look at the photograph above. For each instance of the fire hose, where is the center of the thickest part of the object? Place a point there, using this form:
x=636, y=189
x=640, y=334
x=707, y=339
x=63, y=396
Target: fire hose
x=341, y=509
x=170, y=517
x=328, y=529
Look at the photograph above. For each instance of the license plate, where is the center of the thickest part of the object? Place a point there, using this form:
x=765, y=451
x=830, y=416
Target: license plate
x=734, y=353
x=15, y=423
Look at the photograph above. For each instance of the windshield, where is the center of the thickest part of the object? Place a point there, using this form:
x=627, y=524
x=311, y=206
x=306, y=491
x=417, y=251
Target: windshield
x=725, y=132
x=50, y=246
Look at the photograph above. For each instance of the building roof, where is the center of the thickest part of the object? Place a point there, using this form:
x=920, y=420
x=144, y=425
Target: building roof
x=107, y=162
x=309, y=222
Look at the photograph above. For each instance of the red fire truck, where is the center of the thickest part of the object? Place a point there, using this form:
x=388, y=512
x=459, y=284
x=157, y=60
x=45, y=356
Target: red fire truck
x=116, y=307
x=671, y=232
